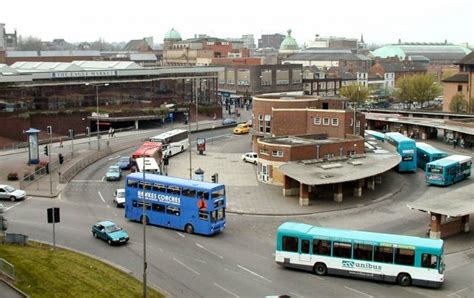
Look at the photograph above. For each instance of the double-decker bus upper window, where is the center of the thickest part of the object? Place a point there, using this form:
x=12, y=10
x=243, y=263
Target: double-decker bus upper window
x=404, y=256
x=189, y=192
x=159, y=187
x=132, y=183
x=147, y=186
x=217, y=193
x=174, y=190
x=203, y=195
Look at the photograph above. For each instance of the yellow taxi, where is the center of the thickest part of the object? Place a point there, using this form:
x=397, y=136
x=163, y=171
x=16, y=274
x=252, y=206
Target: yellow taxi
x=241, y=129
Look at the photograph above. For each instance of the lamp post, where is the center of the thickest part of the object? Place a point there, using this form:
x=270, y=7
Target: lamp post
x=97, y=111
x=144, y=222
x=358, y=98
x=189, y=133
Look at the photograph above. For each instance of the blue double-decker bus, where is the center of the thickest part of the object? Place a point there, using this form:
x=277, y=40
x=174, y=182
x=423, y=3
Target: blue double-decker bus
x=406, y=147
x=375, y=134
x=405, y=260
x=426, y=153
x=448, y=170
x=183, y=204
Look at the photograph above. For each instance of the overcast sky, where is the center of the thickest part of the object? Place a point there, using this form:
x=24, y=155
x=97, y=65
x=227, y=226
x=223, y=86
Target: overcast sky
x=119, y=20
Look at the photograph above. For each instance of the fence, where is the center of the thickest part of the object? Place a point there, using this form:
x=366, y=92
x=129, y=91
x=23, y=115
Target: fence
x=7, y=268
x=70, y=172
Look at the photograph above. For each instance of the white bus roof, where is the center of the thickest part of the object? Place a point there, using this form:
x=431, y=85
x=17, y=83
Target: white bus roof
x=459, y=158
x=169, y=133
x=150, y=164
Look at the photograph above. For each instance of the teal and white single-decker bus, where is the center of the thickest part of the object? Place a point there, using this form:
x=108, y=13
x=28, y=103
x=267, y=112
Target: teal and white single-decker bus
x=405, y=260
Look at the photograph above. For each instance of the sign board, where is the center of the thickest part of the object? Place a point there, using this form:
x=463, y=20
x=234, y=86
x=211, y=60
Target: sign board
x=201, y=145
x=53, y=215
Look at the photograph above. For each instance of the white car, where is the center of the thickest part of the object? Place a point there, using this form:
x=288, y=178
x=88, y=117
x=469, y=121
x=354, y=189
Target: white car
x=11, y=193
x=119, y=197
x=250, y=157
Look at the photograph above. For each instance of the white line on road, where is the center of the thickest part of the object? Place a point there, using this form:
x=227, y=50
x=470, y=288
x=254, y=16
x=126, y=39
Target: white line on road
x=251, y=272
x=359, y=292
x=227, y=291
x=101, y=197
x=210, y=251
x=8, y=208
x=318, y=277
x=455, y=294
x=112, y=158
x=294, y=294
x=186, y=266
x=103, y=179
x=86, y=181
x=182, y=236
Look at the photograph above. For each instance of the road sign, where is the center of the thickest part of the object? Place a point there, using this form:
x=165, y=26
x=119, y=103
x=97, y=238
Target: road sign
x=53, y=215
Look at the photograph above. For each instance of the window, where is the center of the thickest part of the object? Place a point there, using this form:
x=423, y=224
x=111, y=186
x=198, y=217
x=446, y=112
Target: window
x=188, y=192
x=260, y=122
x=173, y=210
x=305, y=246
x=383, y=254
x=268, y=126
x=290, y=244
x=219, y=203
x=317, y=120
x=217, y=215
x=217, y=193
x=325, y=121
x=363, y=252
x=404, y=256
x=203, y=215
x=429, y=261
x=459, y=88
x=147, y=205
x=357, y=123
x=322, y=247
x=203, y=195
x=174, y=190
x=277, y=153
x=351, y=122
x=341, y=249
x=335, y=122
x=159, y=187
x=132, y=183
x=157, y=207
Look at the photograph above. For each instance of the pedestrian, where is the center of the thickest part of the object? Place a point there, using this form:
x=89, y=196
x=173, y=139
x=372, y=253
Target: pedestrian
x=455, y=142
x=113, y=132
x=110, y=132
x=60, y=142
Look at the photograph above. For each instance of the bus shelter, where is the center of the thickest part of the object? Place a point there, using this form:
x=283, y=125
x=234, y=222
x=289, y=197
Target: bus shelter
x=449, y=211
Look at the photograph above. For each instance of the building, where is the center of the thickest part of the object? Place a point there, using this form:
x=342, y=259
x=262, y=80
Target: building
x=462, y=83
x=392, y=70
x=248, y=41
x=288, y=46
x=291, y=128
x=343, y=59
x=11, y=57
x=333, y=42
x=138, y=45
x=271, y=40
x=8, y=41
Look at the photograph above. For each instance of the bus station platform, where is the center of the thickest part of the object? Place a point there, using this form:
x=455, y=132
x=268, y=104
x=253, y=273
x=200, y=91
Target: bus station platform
x=449, y=211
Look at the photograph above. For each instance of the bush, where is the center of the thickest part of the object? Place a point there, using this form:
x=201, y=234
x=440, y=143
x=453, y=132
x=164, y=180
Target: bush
x=29, y=176
x=13, y=176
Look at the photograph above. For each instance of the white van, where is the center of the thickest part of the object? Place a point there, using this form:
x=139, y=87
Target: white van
x=151, y=166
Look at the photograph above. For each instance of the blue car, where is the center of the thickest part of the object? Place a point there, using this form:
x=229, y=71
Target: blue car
x=124, y=163
x=110, y=232
x=228, y=121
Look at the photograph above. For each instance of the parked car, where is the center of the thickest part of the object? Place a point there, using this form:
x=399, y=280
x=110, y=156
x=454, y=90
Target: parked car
x=241, y=129
x=124, y=163
x=110, y=232
x=229, y=121
x=113, y=173
x=11, y=193
x=250, y=157
x=119, y=197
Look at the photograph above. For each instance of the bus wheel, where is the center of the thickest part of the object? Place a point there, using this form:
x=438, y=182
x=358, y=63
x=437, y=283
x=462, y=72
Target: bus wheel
x=146, y=219
x=189, y=229
x=404, y=279
x=320, y=269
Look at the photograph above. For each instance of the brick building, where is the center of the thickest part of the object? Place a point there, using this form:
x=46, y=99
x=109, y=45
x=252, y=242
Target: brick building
x=462, y=83
x=399, y=69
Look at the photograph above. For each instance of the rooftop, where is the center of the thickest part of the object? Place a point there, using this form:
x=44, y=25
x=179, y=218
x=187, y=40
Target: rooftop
x=302, y=140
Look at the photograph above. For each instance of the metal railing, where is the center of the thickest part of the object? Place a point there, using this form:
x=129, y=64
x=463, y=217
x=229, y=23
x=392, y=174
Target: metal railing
x=7, y=269
x=71, y=171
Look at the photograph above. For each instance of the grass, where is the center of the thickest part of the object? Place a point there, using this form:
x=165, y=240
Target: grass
x=41, y=272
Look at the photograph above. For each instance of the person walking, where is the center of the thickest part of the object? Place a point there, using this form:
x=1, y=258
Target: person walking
x=113, y=132
x=110, y=132
x=61, y=143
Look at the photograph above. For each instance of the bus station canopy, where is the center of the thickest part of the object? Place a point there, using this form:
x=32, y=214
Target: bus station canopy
x=453, y=203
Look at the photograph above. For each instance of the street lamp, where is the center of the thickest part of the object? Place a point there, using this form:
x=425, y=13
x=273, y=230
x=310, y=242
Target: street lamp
x=354, y=107
x=189, y=132
x=97, y=106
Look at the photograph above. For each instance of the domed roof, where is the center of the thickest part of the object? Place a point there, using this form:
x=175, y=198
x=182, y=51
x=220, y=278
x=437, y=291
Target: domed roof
x=172, y=35
x=289, y=44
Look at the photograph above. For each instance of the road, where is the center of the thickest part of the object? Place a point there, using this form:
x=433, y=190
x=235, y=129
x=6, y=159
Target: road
x=240, y=261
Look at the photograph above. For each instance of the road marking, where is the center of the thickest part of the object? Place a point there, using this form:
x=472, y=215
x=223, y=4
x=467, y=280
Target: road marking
x=320, y=278
x=186, y=266
x=103, y=177
x=182, y=236
x=294, y=294
x=210, y=251
x=8, y=208
x=251, y=272
x=112, y=158
x=100, y=195
x=455, y=294
x=359, y=292
x=227, y=291
x=86, y=181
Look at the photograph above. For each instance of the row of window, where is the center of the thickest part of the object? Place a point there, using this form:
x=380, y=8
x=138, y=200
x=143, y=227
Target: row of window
x=326, y=121
x=174, y=190
x=215, y=215
x=363, y=252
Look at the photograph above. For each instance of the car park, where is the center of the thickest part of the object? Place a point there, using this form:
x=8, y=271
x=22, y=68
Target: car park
x=10, y=193
x=113, y=173
x=250, y=157
x=228, y=121
x=110, y=232
x=241, y=129
x=124, y=163
x=119, y=197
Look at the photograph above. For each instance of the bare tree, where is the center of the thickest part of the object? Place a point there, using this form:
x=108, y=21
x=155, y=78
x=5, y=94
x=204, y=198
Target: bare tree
x=30, y=43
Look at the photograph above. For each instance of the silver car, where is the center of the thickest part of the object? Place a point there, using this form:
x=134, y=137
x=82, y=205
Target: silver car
x=11, y=193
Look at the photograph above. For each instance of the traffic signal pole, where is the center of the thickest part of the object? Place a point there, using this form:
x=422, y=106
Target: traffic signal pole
x=49, y=162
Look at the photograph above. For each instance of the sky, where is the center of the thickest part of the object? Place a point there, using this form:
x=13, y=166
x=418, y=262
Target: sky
x=379, y=21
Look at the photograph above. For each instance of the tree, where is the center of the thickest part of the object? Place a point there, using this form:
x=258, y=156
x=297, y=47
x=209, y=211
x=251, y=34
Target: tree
x=458, y=104
x=402, y=93
x=30, y=43
x=420, y=88
x=355, y=93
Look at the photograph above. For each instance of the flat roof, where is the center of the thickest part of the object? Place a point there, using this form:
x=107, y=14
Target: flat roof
x=299, y=140
x=343, y=170
x=428, y=122
x=453, y=203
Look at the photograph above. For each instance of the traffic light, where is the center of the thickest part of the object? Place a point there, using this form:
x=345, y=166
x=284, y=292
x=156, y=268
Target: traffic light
x=71, y=133
x=215, y=178
x=61, y=158
x=88, y=131
x=49, y=129
x=46, y=150
x=166, y=160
